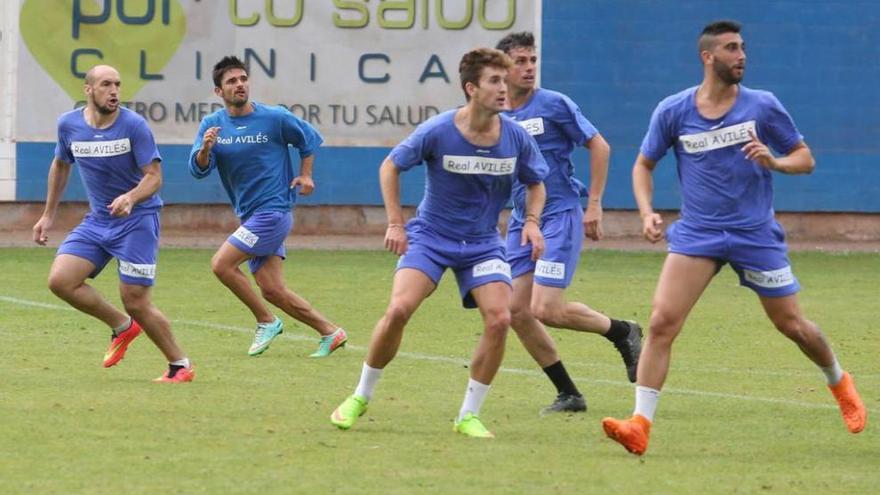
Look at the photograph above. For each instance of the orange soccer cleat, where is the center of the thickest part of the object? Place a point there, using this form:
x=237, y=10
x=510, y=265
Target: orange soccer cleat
x=177, y=375
x=119, y=344
x=632, y=433
x=851, y=406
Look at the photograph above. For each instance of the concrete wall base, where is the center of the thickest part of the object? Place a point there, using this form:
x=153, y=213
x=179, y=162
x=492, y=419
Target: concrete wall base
x=17, y=217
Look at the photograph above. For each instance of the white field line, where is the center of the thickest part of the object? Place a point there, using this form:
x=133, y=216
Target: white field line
x=460, y=361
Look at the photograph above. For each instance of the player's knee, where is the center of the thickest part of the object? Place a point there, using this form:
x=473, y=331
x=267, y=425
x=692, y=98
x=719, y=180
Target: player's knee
x=220, y=269
x=664, y=325
x=59, y=286
x=793, y=327
x=275, y=294
x=135, y=305
x=497, y=322
x=519, y=316
x=548, y=314
x=398, y=313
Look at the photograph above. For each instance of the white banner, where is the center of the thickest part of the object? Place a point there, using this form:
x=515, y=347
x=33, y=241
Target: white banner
x=364, y=72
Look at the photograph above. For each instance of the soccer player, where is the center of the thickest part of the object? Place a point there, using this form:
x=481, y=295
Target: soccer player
x=472, y=156
x=247, y=143
x=720, y=131
x=558, y=126
x=121, y=170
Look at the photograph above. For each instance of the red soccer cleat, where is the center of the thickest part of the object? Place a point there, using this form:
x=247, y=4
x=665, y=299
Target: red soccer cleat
x=631, y=433
x=119, y=344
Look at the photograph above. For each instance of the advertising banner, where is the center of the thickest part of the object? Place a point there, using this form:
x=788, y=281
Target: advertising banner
x=364, y=72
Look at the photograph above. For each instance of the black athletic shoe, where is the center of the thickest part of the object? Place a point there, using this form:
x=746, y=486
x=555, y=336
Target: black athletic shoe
x=566, y=403
x=630, y=348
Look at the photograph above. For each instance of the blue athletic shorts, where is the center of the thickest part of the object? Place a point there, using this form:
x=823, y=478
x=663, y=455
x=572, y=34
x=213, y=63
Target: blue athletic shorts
x=132, y=240
x=474, y=263
x=262, y=235
x=563, y=236
x=759, y=256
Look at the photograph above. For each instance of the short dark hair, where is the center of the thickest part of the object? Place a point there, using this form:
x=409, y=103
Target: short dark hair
x=472, y=63
x=225, y=64
x=713, y=29
x=524, y=39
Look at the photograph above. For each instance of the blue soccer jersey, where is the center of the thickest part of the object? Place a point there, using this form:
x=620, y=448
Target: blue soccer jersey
x=252, y=158
x=468, y=185
x=558, y=126
x=110, y=159
x=720, y=188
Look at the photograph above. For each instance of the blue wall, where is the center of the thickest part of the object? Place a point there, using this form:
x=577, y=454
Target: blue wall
x=617, y=59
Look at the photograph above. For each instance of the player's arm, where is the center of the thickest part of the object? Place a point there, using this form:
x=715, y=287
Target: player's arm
x=536, y=195
x=643, y=189
x=395, y=234
x=203, y=156
x=600, y=151
x=798, y=161
x=147, y=187
x=59, y=173
x=304, y=179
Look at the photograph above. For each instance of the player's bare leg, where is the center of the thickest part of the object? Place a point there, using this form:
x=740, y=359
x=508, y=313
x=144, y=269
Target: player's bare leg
x=410, y=288
x=67, y=281
x=786, y=315
x=682, y=281
x=270, y=280
x=225, y=265
x=541, y=346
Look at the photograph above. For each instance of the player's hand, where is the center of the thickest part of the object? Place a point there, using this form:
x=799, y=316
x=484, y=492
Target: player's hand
x=306, y=184
x=210, y=138
x=531, y=233
x=41, y=230
x=759, y=153
x=395, y=239
x=593, y=221
x=651, y=227
x=121, y=206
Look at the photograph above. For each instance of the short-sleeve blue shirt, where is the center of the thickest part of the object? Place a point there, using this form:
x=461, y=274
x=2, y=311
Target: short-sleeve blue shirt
x=720, y=188
x=110, y=159
x=558, y=126
x=468, y=185
x=252, y=158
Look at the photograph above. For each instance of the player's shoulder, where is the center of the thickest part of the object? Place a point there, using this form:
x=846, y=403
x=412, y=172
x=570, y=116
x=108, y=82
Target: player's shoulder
x=677, y=101
x=71, y=118
x=131, y=117
x=546, y=96
x=438, y=123
x=761, y=96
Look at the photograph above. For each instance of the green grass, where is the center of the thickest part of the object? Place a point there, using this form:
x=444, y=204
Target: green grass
x=743, y=411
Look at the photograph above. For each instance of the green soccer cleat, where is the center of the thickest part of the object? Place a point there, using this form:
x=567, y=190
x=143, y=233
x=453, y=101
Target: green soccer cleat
x=471, y=426
x=264, y=335
x=349, y=411
x=330, y=343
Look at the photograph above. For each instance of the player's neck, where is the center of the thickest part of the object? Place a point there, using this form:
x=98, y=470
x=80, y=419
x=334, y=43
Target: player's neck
x=478, y=125
x=716, y=91
x=715, y=98
x=519, y=96
x=239, y=111
x=98, y=120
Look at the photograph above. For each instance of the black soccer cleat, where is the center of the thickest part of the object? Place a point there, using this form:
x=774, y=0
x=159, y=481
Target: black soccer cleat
x=630, y=348
x=566, y=403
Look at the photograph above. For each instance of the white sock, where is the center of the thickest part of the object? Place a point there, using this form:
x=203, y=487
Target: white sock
x=122, y=328
x=474, y=396
x=181, y=362
x=369, y=378
x=833, y=373
x=646, y=402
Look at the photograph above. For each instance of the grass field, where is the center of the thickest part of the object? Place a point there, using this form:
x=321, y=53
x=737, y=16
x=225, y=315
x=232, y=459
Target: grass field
x=743, y=410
